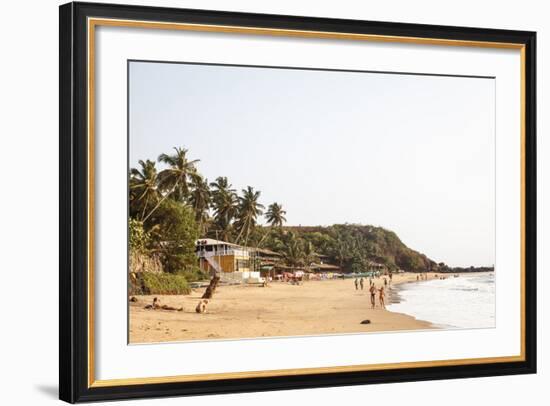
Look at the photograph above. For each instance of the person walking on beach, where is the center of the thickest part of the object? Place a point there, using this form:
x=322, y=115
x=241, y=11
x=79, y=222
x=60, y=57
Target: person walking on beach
x=381, y=295
x=361, y=282
x=385, y=282
x=372, y=295
x=356, y=284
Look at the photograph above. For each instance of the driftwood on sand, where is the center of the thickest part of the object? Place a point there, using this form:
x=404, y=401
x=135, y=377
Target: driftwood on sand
x=211, y=288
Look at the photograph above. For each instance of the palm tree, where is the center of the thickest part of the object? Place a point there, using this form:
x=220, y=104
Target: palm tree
x=144, y=186
x=225, y=204
x=200, y=199
x=248, y=212
x=340, y=253
x=309, y=254
x=175, y=179
x=275, y=215
x=293, y=252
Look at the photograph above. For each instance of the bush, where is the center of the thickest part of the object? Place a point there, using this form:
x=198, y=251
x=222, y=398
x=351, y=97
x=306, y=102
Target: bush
x=147, y=283
x=173, y=231
x=193, y=274
x=138, y=238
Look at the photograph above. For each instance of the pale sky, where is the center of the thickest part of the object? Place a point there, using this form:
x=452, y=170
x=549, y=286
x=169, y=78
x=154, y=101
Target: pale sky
x=413, y=154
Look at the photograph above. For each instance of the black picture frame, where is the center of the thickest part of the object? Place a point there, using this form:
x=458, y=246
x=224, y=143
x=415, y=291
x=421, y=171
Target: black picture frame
x=73, y=197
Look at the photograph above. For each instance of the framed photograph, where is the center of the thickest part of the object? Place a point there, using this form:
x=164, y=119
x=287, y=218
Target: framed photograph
x=258, y=202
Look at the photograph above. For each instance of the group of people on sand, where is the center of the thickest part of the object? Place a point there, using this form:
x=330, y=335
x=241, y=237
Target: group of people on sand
x=359, y=282
x=201, y=307
x=157, y=306
x=422, y=277
x=381, y=296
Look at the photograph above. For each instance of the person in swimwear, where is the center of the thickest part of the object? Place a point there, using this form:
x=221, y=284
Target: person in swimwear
x=372, y=295
x=157, y=306
x=381, y=296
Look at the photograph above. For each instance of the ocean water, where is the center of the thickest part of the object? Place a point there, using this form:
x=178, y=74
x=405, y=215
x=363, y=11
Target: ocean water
x=464, y=302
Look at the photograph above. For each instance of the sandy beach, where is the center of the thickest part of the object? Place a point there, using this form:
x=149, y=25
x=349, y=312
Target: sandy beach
x=280, y=309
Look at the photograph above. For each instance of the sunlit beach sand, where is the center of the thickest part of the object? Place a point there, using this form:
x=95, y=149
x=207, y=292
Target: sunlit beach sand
x=280, y=309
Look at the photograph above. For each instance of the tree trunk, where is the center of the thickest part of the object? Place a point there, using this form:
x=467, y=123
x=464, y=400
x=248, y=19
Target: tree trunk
x=211, y=288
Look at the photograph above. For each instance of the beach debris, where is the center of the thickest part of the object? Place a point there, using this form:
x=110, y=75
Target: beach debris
x=133, y=299
x=201, y=307
x=367, y=321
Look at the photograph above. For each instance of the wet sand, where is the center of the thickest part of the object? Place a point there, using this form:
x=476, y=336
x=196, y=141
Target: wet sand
x=280, y=309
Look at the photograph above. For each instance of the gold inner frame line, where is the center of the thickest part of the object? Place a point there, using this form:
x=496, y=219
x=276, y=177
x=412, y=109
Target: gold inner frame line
x=94, y=22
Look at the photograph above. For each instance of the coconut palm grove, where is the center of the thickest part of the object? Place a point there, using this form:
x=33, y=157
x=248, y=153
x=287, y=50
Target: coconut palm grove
x=172, y=206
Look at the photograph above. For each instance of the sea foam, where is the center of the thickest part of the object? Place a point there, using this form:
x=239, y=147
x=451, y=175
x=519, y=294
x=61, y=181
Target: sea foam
x=467, y=301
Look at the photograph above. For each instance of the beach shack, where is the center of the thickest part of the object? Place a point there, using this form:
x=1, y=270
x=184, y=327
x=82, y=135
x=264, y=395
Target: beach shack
x=325, y=271
x=232, y=262
x=375, y=268
x=266, y=261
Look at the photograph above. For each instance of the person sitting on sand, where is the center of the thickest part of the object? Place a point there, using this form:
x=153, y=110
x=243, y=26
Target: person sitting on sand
x=361, y=282
x=381, y=295
x=372, y=295
x=156, y=305
x=201, y=307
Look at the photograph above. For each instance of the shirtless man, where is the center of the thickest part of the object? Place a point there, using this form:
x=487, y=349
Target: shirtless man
x=381, y=295
x=372, y=295
x=156, y=306
x=201, y=307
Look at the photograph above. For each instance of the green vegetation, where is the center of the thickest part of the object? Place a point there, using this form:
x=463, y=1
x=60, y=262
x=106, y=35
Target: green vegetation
x=138, y=238
x=173, y=231
x=164, y=222
x=148, y=283
x=350, y=246
x=172, y=207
